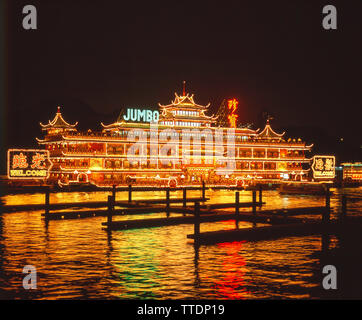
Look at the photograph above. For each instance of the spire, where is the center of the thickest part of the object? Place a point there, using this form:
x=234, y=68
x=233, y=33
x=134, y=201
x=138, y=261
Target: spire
x=269, y=117
x=183, y=88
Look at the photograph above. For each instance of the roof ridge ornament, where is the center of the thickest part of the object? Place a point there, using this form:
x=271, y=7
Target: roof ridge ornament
x=269, y=117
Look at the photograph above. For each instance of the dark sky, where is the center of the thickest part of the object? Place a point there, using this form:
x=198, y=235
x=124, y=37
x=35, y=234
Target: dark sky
x=99, y=56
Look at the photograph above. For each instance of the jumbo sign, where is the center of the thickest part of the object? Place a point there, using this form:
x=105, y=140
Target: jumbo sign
x=28, y=164
x=141, y=115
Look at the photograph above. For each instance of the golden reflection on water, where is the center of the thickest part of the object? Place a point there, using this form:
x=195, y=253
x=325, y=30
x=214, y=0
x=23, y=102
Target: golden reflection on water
x=77, y=259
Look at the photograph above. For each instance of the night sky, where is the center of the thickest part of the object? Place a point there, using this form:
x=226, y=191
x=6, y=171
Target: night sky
x=95, y=57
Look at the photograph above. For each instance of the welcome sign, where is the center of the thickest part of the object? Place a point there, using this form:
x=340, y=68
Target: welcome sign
x=323, y=167
x=141, y=115
x=28, y=164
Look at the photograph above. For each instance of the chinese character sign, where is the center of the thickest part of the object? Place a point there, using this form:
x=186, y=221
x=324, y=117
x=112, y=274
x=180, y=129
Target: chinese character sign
x=323, y=167
x=28, y=164
x=232, y=117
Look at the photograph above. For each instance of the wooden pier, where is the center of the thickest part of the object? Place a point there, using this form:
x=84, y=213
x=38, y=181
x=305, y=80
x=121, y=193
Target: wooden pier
x=206, y=215
x=262, y=233
x=76, y=210
x=282, y=222
x=212, y=213
x=47, y=206
x=93, y=204
x=198, y=210
x=277, y=231
x=289, y=228
x=135, y=188
x=158, y=222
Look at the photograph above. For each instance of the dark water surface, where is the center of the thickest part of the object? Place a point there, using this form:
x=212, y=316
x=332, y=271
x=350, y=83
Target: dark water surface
x=77, y=259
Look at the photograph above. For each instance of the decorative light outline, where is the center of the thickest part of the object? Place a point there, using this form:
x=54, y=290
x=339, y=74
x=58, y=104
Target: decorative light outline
x=318, y=176
x=29, y=150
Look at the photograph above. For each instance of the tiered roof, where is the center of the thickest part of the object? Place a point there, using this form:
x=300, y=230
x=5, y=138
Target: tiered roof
x=185, y=102
x=269, y=133
x=58, y=123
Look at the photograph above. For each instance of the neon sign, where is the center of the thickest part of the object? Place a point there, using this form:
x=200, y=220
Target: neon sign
x=141, y=115
x=324, y=167
x=28, y=164
x=232, y=105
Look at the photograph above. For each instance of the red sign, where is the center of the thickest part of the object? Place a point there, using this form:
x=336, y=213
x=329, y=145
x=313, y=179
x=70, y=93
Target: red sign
x=232, y=106
x=28, y=164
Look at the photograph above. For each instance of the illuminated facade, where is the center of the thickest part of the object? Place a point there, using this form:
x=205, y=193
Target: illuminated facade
x=195, y=149
x=352, y=171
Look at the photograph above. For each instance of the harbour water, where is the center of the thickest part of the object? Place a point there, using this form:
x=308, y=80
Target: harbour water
x=76, y=259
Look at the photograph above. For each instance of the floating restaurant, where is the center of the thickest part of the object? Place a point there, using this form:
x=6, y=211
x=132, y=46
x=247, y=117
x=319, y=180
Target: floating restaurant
x=179, y=144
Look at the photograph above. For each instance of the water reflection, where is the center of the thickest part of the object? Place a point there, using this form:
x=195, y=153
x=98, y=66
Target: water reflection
x=77, y=259
x=233, y=269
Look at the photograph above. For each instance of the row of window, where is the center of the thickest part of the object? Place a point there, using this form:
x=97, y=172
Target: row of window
x=185, y=113
x=148, y=164
x=182, y=123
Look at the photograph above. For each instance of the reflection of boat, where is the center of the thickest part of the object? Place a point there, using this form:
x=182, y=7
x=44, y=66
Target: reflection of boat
x=303, y=188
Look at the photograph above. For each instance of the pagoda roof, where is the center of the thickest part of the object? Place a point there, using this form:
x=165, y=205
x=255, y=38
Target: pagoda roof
x=185, y=100
x=58, y=122
x=269, y=133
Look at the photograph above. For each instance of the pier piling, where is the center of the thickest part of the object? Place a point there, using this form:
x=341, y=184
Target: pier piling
x=110, y=209
x=254, y=201
x=260, y=195
x=129, y=193
x=237, y=201
x=168, y=202
x=184, y=197
x=197, y=220
x=114, y=192
x=203, y=190
x=47, y=193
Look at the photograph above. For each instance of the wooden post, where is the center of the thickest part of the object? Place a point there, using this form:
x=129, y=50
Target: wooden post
x=203, y=190
x=168, y=202
x=47, y=203
x=344, y=207
x=237, y=200
x=129, y=193
x=114, y=192
x=254, y=202
x=260, y=195
x=184, y=199
x=327, y=213
x=110, y=211
x=197, y=220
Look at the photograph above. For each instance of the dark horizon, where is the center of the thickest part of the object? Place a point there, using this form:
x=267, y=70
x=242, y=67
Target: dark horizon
x=95, y=58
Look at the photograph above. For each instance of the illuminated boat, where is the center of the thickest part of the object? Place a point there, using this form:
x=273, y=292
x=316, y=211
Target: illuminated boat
x=197, y=148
